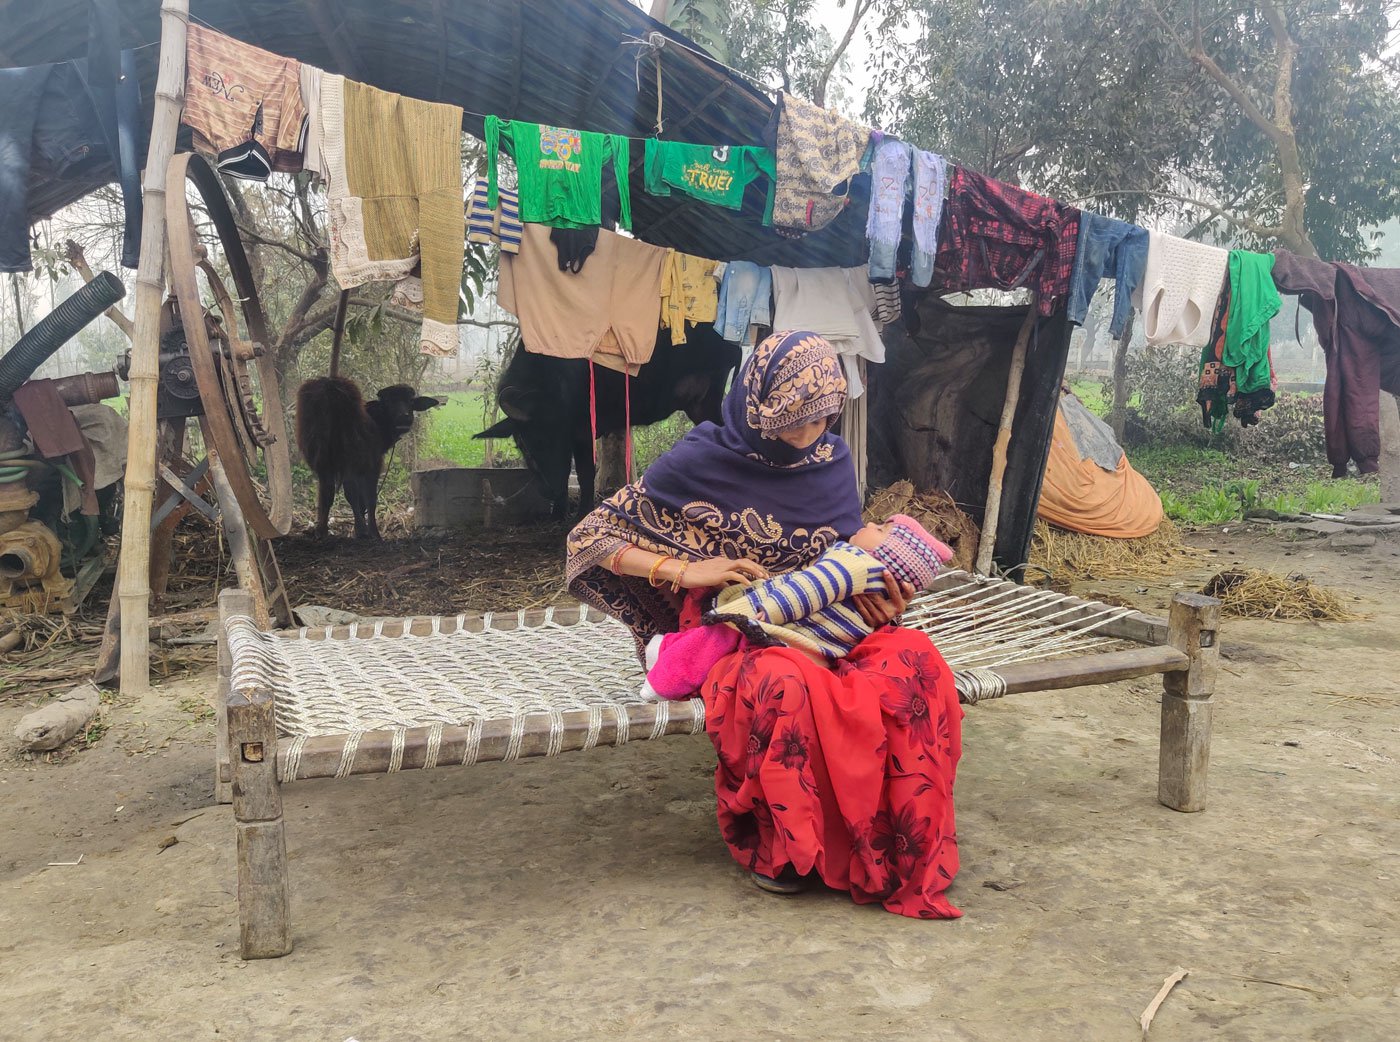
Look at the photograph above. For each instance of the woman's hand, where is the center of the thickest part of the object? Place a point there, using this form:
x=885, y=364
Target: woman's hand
x=880, y=609
x=721, y=571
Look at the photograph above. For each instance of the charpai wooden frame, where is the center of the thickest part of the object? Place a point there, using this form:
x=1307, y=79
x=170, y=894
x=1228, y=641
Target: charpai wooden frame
x=1184, y=649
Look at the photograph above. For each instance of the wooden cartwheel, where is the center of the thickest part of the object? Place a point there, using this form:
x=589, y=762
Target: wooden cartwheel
x=243, y=419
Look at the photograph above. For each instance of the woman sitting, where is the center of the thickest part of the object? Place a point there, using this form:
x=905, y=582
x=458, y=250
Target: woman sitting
x=842, y=772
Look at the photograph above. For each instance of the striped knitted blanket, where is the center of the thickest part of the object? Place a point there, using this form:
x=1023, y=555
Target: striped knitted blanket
x=808, y=608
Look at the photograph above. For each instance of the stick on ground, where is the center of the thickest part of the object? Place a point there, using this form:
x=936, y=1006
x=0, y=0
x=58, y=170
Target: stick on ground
x=1152, y=1007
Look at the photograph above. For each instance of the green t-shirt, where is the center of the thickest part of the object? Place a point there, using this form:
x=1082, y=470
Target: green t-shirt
x=560, y=172
x=716, y=174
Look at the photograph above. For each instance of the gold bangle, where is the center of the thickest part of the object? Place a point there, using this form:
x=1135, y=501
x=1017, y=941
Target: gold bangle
x=656, y=566
x=676, y=582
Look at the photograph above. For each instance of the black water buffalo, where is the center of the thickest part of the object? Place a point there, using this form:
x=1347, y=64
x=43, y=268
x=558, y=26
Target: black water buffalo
x=344, y=440
x=546, y=400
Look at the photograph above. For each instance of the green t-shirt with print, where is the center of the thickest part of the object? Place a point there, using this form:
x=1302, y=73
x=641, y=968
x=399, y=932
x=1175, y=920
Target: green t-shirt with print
x=560, y=172
x=716, y=174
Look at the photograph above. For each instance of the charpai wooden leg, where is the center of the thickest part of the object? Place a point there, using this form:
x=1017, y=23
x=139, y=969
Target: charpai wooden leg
x=231, y=602
x=1188, y=700
x=264, y=927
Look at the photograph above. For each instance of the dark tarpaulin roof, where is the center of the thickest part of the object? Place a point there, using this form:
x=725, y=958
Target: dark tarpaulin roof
x=566, y=62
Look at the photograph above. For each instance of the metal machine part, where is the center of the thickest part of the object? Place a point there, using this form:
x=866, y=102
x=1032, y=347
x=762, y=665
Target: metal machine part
x=30, y=580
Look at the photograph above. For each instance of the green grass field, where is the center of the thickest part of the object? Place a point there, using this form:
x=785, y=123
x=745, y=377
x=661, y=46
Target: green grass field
x=449, y=436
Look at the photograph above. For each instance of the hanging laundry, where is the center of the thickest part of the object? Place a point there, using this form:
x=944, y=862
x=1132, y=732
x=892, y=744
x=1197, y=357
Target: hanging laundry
x=244, y=105
x=689, y=293
x=1003, y=237
x=568, y=315
x=573, y=246
x=1181, y=285
x=716, y=174
x=1107, y=249
x=930, y=184
x=1217, y=380
x=818, y=152
x=1254, y=301
x=889, y=184
x=887, y=303
x=745, y=300
x=499, y=223
x=394, y=197
x=1236, y=368
x=560, y=171
x=20, y=91
x=310, y=81
x=836, y=303
x=1356, y=313
x=68, y=120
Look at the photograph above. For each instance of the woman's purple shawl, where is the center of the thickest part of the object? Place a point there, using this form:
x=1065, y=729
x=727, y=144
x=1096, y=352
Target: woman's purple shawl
x=726, y=491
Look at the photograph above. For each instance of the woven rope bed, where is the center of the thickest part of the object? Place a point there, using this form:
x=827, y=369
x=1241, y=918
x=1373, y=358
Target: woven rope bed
x=401, y=694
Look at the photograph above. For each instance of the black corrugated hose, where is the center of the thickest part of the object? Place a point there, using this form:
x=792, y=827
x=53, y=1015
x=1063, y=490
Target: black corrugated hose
x=56, y=329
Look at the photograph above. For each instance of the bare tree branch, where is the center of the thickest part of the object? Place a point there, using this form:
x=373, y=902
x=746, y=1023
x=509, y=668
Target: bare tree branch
x=859, y=9
x=252, y=235
x=1244, y=223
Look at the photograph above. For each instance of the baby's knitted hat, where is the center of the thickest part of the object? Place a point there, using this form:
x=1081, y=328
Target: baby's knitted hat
x=911, y=553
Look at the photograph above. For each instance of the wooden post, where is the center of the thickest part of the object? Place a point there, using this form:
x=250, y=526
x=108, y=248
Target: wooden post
x=338, y=330
x=1390, y=448
x=231, y=602
x=133, y=567
x=264, y=928
x=240, y=546
x=1118, y=413
x=1187, y=703
x=1008, y=416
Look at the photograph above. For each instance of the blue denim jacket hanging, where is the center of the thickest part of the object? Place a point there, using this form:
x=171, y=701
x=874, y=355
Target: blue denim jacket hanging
x=744, y=299
x=1107, y=248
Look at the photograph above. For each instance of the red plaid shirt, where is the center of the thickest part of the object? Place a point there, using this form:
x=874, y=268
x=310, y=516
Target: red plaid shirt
x=998, y=236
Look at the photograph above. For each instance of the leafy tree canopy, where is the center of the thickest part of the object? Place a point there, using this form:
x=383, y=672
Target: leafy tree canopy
x=1268, y=123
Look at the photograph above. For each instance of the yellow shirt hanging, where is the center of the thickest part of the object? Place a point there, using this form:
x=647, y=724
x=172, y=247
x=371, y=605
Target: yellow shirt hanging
x=689, y=293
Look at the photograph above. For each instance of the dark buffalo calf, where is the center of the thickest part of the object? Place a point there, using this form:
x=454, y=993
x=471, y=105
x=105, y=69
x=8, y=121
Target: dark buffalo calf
x=546, y=402
x=344, y=440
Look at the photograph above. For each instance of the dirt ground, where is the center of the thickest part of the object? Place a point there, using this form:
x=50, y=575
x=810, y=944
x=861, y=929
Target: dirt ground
x=589, y=896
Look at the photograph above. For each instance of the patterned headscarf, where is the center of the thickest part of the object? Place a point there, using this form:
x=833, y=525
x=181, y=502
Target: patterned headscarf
x=733, y=490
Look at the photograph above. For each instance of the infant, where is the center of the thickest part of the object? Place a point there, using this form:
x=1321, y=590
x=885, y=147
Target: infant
x=809, y=609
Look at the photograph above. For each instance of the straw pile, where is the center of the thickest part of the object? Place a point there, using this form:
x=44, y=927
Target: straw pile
x=1068, y=557
x=55, y=652
x=1250, y=593
x=936, y=511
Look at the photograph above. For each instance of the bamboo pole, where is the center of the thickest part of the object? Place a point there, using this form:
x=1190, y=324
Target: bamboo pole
x=1008, y=414
x=133, y=570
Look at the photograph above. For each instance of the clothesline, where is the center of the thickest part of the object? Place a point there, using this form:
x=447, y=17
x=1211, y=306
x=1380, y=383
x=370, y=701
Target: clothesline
x=970, y=231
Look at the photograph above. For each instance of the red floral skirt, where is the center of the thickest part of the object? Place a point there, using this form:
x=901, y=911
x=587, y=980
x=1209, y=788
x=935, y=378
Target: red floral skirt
x=846, y=771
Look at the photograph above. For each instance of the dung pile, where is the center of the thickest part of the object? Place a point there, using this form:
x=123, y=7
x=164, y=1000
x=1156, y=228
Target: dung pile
x=936, y=511
x=1251, y=593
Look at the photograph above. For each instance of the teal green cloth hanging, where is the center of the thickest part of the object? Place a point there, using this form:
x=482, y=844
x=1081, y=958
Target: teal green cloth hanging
x=1254, y=300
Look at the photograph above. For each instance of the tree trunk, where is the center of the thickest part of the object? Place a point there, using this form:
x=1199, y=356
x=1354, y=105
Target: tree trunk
x=1089, y=338
x=1390, y=448
x=1118, y=415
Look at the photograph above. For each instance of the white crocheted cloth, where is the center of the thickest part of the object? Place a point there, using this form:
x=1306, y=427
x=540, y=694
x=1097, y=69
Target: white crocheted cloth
x=1180, y=289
